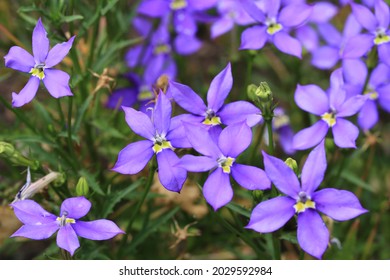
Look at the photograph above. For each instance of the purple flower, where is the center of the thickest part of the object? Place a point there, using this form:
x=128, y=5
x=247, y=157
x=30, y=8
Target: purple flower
x=162, y=136
x=215, y=113
x=332, y=107
x=281, y=125
x=40, y=224
x=303, y=199
x=230, y=12
x=378, y=26
x=274, y=25
x=40, y=66
x=220, y=155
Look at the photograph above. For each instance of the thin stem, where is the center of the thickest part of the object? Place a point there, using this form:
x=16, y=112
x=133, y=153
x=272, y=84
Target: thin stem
x=270, y=136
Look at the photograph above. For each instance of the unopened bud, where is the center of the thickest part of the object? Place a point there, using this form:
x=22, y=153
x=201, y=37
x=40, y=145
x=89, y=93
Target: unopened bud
x=264, y=92
x=9, y=152
x=82, y=187
x=250, y=90
x=292, y=164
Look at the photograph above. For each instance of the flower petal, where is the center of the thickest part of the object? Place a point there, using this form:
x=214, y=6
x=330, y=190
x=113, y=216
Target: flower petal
x=187, y=99
x=351, y=106
x=312, y=234
x=219, y=88
x=323, y=12
x=221, y=26
x=171, y=176
x=234, y=139
x=40, y=43
x=330, y=34
x=162, y=114
x=382, y=13
x=271, y=215
x=325, y=57
x=75, y=207
x=384, y=97
x=217, y=189
x=37, y=232
x=345, y=133
x=281, y=175
x=58, y=53
x=31, y=213
x=364, y=16
x=287, y=44
x=294, y=15
x=308, y=36
x=354, y=71
x=19, y=59
x=201, y=141
x=314, y=169
x=239, y=111
x=250, y=177
x=271, y=7
x=253, y=38
x=312, y=99
x=368, y=115
x=197, y=163
x=126, y=97
x=139, y=122
x=27, y=93
x=340, y=205
x=311, y=136
x=153, y=8
x=97, y=230
x=134, y=157
x=200, y=5
x=177, y=135
x=384, y=53
x=187, y=44
x=67, y=239
x=251, y=8
x=358, y=45
x=57, y=83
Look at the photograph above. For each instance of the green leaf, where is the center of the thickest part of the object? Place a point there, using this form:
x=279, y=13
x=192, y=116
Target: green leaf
x=71, y=18
x=116, y=197
x=352, y=178
x=239, y=210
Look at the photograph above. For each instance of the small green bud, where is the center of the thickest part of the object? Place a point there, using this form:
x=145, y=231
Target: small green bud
x=82, y=187
x=6, y=149
x=292, y=164
x=9, y=152
x=258, y=195
x=251, y=89
x=264, y=92
x=60, y=180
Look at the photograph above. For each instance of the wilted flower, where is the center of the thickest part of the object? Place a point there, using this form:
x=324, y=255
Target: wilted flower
x=220, y=155
x=332, y=107
x=40, y=66
x=40, y=224
x=303, y=200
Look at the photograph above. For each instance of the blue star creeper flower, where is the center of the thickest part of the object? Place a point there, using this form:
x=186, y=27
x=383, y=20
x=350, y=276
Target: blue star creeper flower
x=332, y=107
x=378, y=26
x=215, y=113
x=220, y=157
x=162, y=136
x=303, y=200
x=40, y=66
x=40, y=224
x=274, y=25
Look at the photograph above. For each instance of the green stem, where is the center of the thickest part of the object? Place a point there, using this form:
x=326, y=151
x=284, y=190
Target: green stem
x=257, y=143
x=65, y=255
x=61, y=112
x=268, y=122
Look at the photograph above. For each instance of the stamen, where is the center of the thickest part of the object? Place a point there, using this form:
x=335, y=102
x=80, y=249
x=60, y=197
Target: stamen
x=273, y=26
x=381, y=37
x=160, y=143
x=64, y=220
x=304, y=202
x=211, y=118
x=226, y=163
x=329, y=118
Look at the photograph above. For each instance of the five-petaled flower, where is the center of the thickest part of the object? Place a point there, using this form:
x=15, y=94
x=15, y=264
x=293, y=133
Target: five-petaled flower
x=162, y=135
x=40, y=66
x=332, y=107
x=219, y=154
x=40, y=224
x=303, y=200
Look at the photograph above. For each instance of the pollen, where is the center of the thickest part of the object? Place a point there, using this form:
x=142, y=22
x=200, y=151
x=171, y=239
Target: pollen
x=226, y=164
x=178, y=4
x=159, y=146
x=212, y=121
x=381, y=38
x=274, y=28
x=63, y=220
x=329, y=118
x=302, y=206
x=38, y=72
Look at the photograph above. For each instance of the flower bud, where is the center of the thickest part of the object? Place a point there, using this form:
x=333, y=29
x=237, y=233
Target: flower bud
x=251, y=89
x=9, y=152
x=82, y=187
x=264, y=92
x=292, y=164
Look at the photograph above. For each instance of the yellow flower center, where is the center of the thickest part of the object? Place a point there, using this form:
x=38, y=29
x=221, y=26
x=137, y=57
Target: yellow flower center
x=381, y=38
x=145, y=95
x=38, y=72
x=162, y=49
x=178, y=4
x=212, y=121
x=304, y=202
x=329, y=118
x=372, y=94
x=273, y=26
x=64, y=220
x=226, y=163
x=161, y=145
